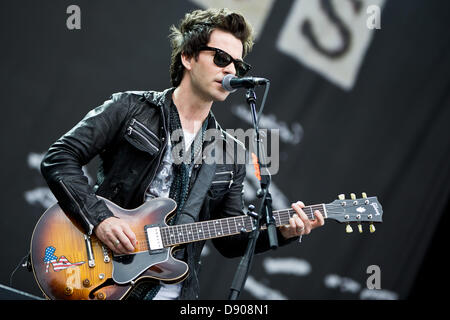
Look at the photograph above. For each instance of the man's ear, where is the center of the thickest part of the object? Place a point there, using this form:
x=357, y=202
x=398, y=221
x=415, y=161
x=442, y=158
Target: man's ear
x=186, y=61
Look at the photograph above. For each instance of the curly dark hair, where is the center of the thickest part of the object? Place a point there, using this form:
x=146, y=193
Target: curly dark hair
x=194, y=31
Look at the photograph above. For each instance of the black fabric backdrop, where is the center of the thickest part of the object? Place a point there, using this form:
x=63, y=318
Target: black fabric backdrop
x=387, y=135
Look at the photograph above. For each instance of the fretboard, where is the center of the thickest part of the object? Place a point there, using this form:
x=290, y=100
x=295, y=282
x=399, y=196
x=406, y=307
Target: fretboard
x=198, y=231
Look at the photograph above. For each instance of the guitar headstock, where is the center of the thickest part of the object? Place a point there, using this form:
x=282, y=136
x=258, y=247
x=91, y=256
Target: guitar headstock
x=365, y=209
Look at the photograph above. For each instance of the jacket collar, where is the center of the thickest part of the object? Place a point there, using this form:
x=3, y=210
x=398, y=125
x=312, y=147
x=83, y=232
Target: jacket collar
x=163, y=99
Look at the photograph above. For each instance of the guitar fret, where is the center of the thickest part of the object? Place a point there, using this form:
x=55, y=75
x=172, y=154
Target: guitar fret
x=178, y=234
x=195, y=232
x=279, y=219
x=224, y=227
x=221, y=227
x=208, y=235
x=208, y=224
x=228, y=227
x=198, y=231
x=211, y=225
x=218, y=228
x=244, y=223
x=163, y=237
x=174, y=234
x=250, y=223
x=203, y=232
x=184, y=233
x=188, y=233
x=191, y=235
x=240, y=224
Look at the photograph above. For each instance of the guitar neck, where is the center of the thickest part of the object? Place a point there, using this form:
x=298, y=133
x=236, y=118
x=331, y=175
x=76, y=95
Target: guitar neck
x=198, y=231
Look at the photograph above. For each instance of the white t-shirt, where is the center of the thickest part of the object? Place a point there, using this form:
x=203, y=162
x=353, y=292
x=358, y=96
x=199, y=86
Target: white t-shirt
x=188, y=138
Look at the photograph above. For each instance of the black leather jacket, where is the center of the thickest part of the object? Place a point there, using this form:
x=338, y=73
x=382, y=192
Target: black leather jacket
x=129, y=132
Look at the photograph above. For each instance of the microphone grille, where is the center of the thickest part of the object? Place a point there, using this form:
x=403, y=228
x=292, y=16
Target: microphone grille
x=226, y=82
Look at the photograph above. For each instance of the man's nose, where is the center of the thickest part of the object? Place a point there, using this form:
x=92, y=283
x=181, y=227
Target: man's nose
x=230, y=69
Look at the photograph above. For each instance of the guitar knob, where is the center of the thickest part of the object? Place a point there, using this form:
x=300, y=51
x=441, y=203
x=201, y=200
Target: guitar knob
x=353, y=196
x=101, y=296
x=68, y=291
x=364, y=195
x=341, y=196
x=348, y=228
x=86, y=283
x=360, y=229
x=372, y=228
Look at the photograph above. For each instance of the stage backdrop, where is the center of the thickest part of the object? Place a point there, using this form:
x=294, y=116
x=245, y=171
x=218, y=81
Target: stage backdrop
x=359, y=91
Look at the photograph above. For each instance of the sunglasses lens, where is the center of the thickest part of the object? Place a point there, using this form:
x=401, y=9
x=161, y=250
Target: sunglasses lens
x=222, y=59
x=241, y=68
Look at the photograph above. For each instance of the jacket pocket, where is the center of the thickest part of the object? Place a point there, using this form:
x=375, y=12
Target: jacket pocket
x=222, y=181
x=142, y=138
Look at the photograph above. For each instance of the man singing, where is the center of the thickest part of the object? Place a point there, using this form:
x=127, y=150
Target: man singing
x=134, y=135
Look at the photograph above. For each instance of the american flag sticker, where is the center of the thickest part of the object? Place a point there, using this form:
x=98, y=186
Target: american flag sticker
x=58, y=264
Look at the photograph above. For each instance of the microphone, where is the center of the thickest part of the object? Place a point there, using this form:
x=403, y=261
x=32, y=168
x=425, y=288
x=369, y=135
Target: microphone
x=232, y=83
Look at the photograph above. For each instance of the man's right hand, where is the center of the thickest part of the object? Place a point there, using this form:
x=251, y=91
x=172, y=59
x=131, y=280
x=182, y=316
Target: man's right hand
x=117, y=235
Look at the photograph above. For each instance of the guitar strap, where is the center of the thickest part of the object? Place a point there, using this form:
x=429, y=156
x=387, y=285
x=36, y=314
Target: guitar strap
x=191, y=208
x=196, y=197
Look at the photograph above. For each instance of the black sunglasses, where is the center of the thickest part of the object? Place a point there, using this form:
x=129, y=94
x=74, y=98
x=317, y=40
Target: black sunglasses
x=222, y=59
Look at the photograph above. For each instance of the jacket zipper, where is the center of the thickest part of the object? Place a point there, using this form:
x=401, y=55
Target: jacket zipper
x=91, y=227
x=160, y=154
x=225, y=172
x=133, y=121
x=131, y=129
x=225, y=181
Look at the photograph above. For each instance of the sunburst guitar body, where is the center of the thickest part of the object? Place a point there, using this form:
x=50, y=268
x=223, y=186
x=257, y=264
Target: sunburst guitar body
x=68, y=264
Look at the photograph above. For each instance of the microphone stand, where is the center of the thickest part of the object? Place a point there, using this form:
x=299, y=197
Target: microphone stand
x=265, y=211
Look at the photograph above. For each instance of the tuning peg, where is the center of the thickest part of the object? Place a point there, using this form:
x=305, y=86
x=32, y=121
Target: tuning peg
x=353, y=196
x=348, y=228
x=372, y=228
x=360, y=229
x=341, y=196
x=364, y=195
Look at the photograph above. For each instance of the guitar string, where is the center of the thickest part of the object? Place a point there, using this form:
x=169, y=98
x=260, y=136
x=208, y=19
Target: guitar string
x=183, y=233
x=311, y=216
x=181, y=237
x=282, y=214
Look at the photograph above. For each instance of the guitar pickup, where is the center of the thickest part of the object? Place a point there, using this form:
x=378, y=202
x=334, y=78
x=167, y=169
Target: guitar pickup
x=154, y=238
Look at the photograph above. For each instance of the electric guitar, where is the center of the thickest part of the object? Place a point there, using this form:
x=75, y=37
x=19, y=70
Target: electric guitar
x=69, y=264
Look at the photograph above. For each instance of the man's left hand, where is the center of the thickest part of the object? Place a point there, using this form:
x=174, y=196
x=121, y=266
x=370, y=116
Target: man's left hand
x=300, y=224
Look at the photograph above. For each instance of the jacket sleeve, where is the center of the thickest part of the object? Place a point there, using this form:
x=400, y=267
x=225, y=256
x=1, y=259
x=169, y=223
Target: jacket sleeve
x=233, y=205
x=62, y=165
